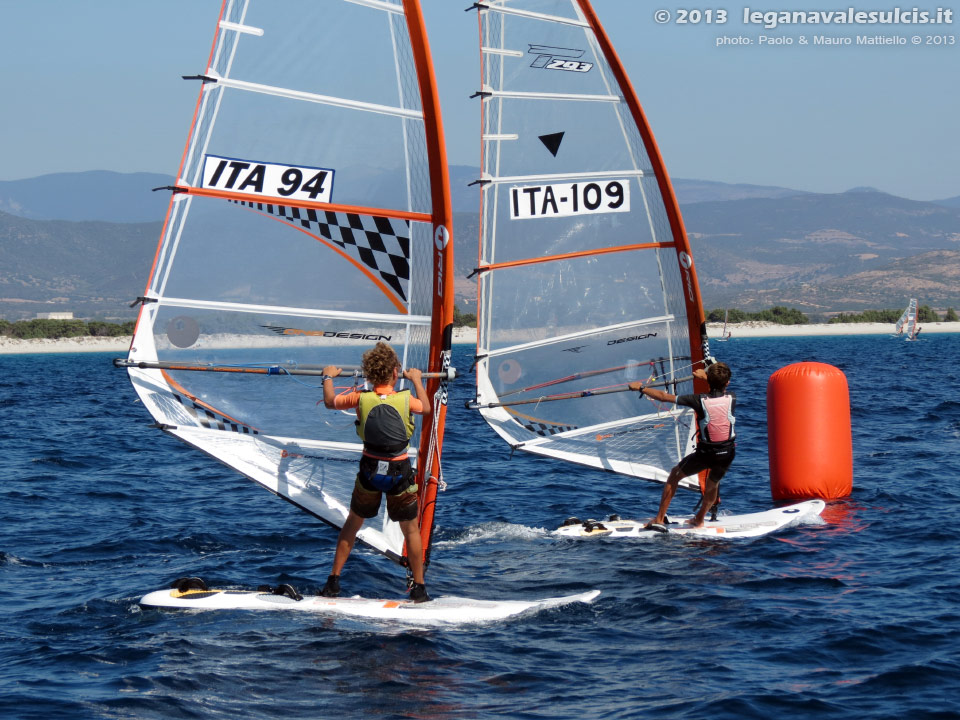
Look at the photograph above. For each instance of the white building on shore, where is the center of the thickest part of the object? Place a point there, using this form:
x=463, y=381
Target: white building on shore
x=55, y=316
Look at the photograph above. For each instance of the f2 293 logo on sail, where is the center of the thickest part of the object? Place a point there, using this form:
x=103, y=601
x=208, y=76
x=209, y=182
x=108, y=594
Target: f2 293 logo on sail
x=249, y=177
x=564, y=199
x=558, y=58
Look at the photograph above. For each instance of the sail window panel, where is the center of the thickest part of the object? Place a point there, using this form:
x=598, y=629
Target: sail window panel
x=645, y=450
x=276, y=405
x=553, y=11
x=371, y=160
x=637, y=150
x=554, y=57
x=556, y=137
x=521, y=220
x=329, y=48
x=675, y=291
x=421, y=287
x=395, y=6
x=641, y=449
x=535, y=302
x=519, y=152
x=606, y=360
x=313, y=472
x=328, y=476
x=317, y=477
x=286, y=257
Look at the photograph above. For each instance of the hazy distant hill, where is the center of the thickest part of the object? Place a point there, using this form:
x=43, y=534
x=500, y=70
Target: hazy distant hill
x=949, y=202
x=95, y=195
x=129, y=197
x=934, y=277
x=755, y=246
x=751, y=253
x=89, y=268
x=697, y=191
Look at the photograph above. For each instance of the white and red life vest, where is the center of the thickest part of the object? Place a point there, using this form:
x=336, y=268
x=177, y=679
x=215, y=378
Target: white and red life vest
x=717, y=421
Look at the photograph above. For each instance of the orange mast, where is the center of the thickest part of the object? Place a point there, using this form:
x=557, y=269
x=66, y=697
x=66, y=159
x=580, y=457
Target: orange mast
x=441, y=328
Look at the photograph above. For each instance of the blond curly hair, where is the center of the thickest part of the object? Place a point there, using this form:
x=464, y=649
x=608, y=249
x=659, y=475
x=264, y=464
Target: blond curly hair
x=379, y=363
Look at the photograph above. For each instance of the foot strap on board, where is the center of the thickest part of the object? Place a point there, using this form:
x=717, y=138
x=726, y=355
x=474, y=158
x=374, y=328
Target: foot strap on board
x=284, y=590
x=332, y=587
x=182, y=585
x=418, y=593
x=714, y=510
x=289, y=591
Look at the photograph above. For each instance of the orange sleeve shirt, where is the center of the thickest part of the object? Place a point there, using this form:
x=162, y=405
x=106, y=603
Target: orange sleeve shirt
x=352, y=399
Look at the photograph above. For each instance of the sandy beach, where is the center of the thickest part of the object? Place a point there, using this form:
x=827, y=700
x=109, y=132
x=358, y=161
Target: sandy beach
x=120, y=345
x=764, y=329
x=14, y=346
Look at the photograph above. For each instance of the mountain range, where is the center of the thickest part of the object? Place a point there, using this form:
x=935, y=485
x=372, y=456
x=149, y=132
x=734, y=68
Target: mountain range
x=84, y=242
x=825, y=253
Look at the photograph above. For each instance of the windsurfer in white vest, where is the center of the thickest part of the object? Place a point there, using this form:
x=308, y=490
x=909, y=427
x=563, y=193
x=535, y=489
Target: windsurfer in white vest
x=385, y=424
x=716, y=443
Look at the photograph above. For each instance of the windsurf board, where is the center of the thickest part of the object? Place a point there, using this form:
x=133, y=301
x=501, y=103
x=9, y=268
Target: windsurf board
x=727, y=527
x=444, y=609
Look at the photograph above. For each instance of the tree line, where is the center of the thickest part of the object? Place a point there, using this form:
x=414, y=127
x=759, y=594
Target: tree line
x=925, y=314
x=462, y=319
x=57, y=329
x=791, y=316
x=778, y=314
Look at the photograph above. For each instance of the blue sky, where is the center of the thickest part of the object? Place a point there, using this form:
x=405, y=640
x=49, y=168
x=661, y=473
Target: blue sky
x=96, y=85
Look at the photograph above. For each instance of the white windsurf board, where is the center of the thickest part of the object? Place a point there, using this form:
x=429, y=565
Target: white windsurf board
x=725, y=527
x=444, y=609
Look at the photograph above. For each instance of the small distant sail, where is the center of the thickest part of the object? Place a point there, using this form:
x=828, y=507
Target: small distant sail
x=724, y=333
x=586, y=279
x=908, y=320
x=310, y=220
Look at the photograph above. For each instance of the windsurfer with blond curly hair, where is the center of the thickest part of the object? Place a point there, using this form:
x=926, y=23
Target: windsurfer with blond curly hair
x=385, y=424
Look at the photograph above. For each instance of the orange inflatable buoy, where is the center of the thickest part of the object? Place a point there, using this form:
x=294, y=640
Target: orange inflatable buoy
x=808, y=432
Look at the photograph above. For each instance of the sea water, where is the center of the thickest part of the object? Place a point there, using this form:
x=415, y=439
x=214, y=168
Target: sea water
x=855, y=617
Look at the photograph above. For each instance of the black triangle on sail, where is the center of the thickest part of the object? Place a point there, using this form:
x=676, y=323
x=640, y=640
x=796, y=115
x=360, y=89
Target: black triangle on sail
x=552, y=142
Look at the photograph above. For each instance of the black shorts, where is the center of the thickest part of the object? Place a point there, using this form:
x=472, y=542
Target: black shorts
x=401, y=489
x=716, y=461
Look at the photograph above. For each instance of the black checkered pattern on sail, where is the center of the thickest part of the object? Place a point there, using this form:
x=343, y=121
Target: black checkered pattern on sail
x=380, y=243
x=543, y=429
x=214, y=421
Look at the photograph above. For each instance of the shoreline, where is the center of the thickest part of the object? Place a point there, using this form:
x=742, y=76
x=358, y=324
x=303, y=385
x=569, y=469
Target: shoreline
x=754, y=328
x=464, y=335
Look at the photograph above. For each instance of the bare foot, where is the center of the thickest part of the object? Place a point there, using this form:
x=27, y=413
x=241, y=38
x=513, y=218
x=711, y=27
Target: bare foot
x=695, y=523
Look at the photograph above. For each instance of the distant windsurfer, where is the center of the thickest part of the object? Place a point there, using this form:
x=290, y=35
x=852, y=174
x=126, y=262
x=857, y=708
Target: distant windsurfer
x=715, y=439
x=385, y=424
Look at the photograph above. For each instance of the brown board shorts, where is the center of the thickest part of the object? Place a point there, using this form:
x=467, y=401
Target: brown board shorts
x=396, y=479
